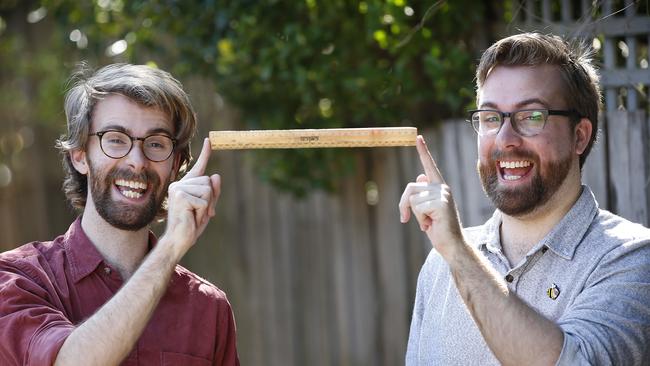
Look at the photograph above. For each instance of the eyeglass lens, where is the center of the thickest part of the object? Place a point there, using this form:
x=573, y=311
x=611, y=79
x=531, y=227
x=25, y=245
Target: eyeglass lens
x=117, y=145
x=525, y=122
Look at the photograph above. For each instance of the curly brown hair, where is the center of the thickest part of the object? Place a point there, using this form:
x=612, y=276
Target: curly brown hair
x=147, y=86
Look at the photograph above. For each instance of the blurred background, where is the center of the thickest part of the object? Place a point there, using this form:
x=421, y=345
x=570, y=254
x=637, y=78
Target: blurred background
x=307, y=243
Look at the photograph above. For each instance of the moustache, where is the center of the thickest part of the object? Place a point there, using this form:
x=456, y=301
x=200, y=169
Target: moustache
x=513, y=154
x=145, y=176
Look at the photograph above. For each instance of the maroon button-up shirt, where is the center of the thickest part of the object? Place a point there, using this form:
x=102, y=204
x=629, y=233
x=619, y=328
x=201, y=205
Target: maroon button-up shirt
x=46, y=288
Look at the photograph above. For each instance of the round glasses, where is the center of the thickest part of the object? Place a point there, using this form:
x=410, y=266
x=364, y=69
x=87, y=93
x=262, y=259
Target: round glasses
x=117, y=144
x=525, y=122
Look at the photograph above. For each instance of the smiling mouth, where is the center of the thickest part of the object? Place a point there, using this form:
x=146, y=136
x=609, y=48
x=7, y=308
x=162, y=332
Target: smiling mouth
x=131, y=188
x=512, y=170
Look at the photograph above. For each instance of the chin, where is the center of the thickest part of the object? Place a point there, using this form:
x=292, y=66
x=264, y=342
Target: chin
x=125, y=216
x=524, y=199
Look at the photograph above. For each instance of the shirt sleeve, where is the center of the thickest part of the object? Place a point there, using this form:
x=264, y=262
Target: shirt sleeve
x=609, y=322
x=32, y=330
x=226, y=348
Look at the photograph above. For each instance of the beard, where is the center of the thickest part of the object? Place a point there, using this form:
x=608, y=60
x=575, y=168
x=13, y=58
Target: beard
x=523, y=200
x=121, y=215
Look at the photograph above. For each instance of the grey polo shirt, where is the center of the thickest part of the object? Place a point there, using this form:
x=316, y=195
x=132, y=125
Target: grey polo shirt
x=590, y=275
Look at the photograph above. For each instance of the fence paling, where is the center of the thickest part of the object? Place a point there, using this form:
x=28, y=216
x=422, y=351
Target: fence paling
x=595, y=172
x=627, y=145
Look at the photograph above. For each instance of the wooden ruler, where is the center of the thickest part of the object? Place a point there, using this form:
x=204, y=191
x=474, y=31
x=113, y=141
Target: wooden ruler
x=310, y=138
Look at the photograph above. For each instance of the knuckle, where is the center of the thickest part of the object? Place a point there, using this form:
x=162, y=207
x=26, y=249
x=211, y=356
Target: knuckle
x=403, y=206
x=413, y=185
x=405, y=195
x=413, y=200
x=424, y=195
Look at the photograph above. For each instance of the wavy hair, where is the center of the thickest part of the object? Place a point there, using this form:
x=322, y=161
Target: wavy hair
x=147, y=86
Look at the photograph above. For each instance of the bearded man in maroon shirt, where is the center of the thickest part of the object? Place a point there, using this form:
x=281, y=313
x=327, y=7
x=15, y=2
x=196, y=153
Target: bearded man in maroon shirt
x=107, y=292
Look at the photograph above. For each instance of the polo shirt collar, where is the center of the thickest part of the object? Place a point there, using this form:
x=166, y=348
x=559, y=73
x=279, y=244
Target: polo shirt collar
x=563, y=239
x=491, y=237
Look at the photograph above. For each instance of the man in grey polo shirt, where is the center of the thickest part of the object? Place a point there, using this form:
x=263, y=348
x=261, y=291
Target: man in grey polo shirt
x=550, y=279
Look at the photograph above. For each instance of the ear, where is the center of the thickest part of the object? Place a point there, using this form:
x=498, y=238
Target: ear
x=582, y=135
x=78, y=158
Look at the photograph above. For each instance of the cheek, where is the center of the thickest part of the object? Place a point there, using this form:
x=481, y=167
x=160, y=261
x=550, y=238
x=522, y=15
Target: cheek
x=165, y=173
x=484, y=146
x=98, y=159
x=97, y=177
x=553, y=150
x=97, y=166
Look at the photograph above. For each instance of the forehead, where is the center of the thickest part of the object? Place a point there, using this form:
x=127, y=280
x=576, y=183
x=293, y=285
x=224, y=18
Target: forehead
x=118, y=111
x=511, y=87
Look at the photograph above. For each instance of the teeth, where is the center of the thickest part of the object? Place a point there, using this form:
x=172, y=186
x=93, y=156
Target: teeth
x=131, y=184
x=132, y=194
x=511, y=177
x=514, y=164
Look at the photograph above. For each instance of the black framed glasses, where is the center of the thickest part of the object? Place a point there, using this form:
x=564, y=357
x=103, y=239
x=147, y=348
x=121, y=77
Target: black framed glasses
x=525, y=122
x=117, y=144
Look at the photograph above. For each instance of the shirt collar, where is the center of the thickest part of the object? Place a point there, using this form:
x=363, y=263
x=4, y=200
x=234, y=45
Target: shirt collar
x=83, y=256
x=491, y=237
x=565, y=236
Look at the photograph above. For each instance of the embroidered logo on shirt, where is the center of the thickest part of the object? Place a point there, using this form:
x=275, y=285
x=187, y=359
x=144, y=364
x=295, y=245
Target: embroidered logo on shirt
x=553, y=292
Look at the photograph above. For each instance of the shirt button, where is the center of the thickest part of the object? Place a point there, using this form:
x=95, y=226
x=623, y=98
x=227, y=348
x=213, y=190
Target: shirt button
x=509, y=278
x=544, y=249
x=107, y=270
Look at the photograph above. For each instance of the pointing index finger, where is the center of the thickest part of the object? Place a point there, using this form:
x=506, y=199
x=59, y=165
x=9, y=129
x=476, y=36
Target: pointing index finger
x=202, y=162
x=429, y=165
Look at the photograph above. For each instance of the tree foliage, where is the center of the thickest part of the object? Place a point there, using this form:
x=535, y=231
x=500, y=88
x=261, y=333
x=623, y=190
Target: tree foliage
x=299, y=64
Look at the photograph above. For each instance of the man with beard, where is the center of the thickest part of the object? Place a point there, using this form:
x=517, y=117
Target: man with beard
x=550, y=279
x=108, y=292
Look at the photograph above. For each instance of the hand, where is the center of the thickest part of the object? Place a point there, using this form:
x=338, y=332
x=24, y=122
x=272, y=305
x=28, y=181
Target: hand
x=432, y=204
x=192, y=201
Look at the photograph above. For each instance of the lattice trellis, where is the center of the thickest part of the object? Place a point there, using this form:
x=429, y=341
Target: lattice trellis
x=620, y=32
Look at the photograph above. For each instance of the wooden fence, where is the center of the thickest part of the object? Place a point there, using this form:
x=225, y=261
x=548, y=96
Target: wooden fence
x=330, y=280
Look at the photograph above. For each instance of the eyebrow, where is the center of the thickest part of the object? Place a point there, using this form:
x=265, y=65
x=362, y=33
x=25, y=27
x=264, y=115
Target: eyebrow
x=519, y=105
x=156, y=131
x=153, y=131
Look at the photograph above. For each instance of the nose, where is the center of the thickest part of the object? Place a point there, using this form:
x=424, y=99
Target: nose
x=507, y=137
x=135, y=158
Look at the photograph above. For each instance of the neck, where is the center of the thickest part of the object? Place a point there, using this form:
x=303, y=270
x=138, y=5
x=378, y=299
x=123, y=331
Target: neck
x=122, y=249
x=519, y=234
